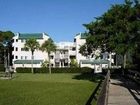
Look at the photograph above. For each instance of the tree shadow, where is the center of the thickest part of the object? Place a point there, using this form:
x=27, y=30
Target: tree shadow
x=89, y=76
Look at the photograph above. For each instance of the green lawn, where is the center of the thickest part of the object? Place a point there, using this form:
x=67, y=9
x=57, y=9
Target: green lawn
x=45, y=89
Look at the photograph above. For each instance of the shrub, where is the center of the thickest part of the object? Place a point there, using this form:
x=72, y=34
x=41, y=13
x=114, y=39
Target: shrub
x=2, y=67
x=23, y=70
x=55, y=70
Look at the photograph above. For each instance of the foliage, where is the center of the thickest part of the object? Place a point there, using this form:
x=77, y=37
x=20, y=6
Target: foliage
x=31, y=44
x=5, y=36
x=73, y=63
x=49, y=47
x=45, y=64
x=117, y=30
x=2, y=67
x=55, y=70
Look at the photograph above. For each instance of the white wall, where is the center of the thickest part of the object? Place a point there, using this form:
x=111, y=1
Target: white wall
x=79, y=42
x=22, y=55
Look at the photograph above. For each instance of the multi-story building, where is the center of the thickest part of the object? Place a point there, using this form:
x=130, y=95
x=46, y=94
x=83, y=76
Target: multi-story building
x=65, y=51
x=104, y=60
x=22, y=58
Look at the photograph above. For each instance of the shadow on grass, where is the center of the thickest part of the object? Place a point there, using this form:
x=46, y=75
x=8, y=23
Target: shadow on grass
x=89, y=76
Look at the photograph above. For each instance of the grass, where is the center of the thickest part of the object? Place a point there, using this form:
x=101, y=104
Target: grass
x=45, y=89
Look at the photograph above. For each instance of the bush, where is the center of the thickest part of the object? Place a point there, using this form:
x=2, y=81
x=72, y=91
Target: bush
x=2, y=67
x=23, y=70
x=54, y=70
x=113, y=71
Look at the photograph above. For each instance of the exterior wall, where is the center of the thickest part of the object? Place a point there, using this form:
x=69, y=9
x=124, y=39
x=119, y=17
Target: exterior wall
x=79, y=42
x=60, y=58
x=18, y=44
x=64, y=51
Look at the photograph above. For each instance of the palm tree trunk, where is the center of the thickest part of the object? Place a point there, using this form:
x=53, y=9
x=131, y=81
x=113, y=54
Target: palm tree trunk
x=110, y=59
x=32, y=64
x=124, y=61
x=49, y=64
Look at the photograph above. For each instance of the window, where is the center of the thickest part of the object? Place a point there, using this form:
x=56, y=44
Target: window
x=12, y=48
x=32, y=57
x=25, y=57
x=73, y=48
x=16, y=40
x=22, y=49
x=16, y=49
x=51, y=57
x=74, y=40
x=22, y=40
x=16, y=57
x=21, y=57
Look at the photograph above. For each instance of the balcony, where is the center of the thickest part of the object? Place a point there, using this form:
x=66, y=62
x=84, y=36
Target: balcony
x=62, y=56
x=72, y=52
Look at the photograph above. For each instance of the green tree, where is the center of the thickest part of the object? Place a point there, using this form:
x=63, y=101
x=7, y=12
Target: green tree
x=45, y=64
x=117, y=29
x=49, y=47
x=73, y=63
x=5, y=37
x=31, y=44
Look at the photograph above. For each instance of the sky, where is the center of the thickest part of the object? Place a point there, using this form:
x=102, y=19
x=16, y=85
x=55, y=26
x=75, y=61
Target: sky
x=60, y=19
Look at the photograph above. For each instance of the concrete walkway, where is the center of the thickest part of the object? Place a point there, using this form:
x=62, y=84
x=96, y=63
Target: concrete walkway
x=123, y=92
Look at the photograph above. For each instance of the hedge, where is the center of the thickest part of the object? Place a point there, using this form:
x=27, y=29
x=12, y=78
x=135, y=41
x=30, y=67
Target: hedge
x=54, y=70
x=2, y=67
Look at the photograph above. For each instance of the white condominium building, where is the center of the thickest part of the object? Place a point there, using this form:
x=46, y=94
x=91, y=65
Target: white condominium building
x=22, y=58
x=65, y=51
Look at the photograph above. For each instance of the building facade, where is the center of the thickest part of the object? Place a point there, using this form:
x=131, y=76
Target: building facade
x=22, y=58
x=62, y=57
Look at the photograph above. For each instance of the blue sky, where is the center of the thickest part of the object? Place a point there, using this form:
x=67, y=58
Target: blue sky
x=61, y=19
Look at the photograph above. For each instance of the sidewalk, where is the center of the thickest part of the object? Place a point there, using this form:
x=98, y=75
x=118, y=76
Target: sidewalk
x=123, y=92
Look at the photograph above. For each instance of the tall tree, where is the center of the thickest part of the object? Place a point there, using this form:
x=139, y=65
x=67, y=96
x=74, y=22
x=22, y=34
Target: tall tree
x=117, y=29
x=49, y=47
x=31, y=44
x=5, y=37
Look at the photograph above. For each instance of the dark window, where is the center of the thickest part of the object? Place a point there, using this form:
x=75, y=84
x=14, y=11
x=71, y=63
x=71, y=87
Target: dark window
x=22, y=40
x=74, y=40
x=22, y=49
x=16, y=40
x=12, y=40
x=16, y=57
x=16, y=49
x=74, y=48
x=51, y=57
x=12, y=48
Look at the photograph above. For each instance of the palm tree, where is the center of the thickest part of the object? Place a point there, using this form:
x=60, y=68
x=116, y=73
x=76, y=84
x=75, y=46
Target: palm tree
x=31, y=44
x=49, y=47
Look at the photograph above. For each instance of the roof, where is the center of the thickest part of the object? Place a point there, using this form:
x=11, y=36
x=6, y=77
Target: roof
x=28, y=61
x=100, y=61
x=83, y=35
x=31, y=35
